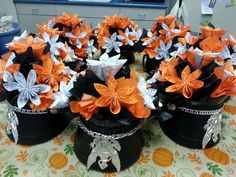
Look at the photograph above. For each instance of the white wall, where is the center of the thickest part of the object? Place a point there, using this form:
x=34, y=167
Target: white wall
x=223, y=17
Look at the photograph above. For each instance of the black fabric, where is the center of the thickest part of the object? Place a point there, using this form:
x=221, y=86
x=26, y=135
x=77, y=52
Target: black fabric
x=188, y=129
x=40, y=128
x=131, y=148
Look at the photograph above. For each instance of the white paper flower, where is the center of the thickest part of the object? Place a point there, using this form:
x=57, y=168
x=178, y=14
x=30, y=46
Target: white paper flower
x=90, y=48
x=23, y=36
x=199, y=55
x=226, y=55
x=111, y=43
x=70, y=54
x=62, y=97
x=154, y=78
x=7, y=76
x=233, y=40
x=105, y=66
x=138, y=34
x=165, y=27
x=162, y=52
x=27, y=88
x=54, y=45
x=180, y=50
x=151, y=38
x=126, y=37
x=78, y=38
x=147, y=93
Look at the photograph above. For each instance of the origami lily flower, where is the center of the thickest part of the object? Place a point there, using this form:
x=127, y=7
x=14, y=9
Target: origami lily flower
x=23, y=36
x=70, y=20
x=162, y=52
x=180, y=50
x=111, y=43
x=187, y=84
x=7, y=67
x=27, y=88
x=86, y=106
x=226, y=55
x=154, y=78
x=168, y=30
x=77, y=38
x=147, y=93
x=105, y=66
x=188, y=39
x=138, y=33
x=54, y=46
x=127, y=37
x=113, y=95
x=151, y=37
x=20, y=46
x=50, y=73
x=228, y=80
x=90, y=48
x=48, y=28
x=68, y=54
x=62, y=97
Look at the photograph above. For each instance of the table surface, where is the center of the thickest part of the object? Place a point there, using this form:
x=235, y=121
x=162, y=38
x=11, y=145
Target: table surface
x=33, y=161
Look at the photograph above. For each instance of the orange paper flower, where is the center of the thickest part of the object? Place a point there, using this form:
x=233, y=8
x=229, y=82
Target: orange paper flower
x=163, y=19
x=86, y=106
x=208, y=32
x=213, y=45
x=187, y=84
x=70, y=20
x=115, y=94
x=22, y=45
x=51, y=31
x=227, y=87
x=11, y=68
x=50, y=73
x=46, y=102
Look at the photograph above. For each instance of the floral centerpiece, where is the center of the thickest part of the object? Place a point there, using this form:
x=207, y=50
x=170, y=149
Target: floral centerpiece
x=77, y=36
x=111, y=103
x=36, y=82
x=118, y=35
x=192, y=86
x=162, y=41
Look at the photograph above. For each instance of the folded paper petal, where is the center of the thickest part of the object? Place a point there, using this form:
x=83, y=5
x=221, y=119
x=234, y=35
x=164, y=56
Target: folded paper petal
x=86, y=106
x=187, y=84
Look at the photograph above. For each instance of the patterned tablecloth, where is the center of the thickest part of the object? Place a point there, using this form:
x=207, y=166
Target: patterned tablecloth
x=57, y=158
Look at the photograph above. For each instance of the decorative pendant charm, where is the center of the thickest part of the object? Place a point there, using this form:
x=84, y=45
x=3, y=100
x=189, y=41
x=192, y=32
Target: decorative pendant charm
x=12, y=124
x=106, y=149
x=213, y=129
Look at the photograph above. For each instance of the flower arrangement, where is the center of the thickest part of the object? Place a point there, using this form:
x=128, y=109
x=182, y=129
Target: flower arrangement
x=111, y=103
x=107, y=90
x=204, y=68
x=118, y=35
x=77, y=36
x=162, y=41
x=195, y=77
x=34, y=74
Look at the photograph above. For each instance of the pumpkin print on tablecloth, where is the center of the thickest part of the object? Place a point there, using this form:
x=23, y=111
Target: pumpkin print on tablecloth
x=163, y=157
x=229, y=108
x=206, y=175
x=58, y=160
x=217, y=156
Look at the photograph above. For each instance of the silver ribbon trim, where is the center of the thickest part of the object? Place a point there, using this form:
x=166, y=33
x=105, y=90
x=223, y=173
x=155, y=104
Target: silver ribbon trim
x=12, y=122
x=12, y=119
x=106, y=147
x=213, y=126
